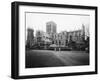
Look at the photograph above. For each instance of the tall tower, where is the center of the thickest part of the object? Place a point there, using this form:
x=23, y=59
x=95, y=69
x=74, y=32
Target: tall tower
x=30, y=37
x=51, y=27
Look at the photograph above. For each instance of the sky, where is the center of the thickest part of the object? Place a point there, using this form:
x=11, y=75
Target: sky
x=65, y=22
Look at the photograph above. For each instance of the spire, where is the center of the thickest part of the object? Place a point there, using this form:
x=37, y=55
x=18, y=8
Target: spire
x=83, y=31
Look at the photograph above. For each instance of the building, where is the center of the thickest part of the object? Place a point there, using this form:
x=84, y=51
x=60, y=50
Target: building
x=64, y=38
x=77, y=36
x=30, y=37
x=43, y=37
x=60, y=38
x=51, y=27
x=39, y=35
x=46, y=37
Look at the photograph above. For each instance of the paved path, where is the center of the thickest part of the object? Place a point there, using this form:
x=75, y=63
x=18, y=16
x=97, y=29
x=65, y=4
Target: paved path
x=45, y=58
